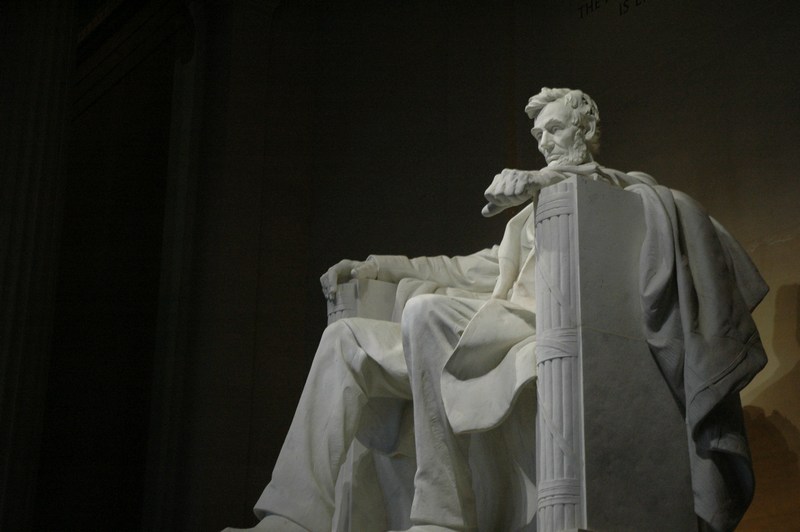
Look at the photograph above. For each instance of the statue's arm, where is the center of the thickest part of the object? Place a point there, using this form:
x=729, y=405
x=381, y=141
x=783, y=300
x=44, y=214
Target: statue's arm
x=514, y=187
x=476, y=272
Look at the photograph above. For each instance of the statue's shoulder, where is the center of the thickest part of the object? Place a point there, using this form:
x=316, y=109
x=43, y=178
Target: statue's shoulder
x=626, y=179
x=642, y=177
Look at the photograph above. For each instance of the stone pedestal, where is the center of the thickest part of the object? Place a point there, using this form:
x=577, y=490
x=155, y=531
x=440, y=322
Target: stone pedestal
x=611, y=442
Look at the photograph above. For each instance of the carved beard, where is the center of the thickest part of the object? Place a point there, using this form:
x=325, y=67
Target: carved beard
x=577, y=154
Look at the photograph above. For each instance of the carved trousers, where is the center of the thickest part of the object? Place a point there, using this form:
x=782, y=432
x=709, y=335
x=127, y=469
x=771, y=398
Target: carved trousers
x=360, y=359
x=443, y=495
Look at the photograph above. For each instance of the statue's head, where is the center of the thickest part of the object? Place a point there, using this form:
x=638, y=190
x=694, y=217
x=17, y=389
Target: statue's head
x=566, y=125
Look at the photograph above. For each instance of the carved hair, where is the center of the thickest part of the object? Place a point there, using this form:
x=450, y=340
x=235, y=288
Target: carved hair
x=584, y=110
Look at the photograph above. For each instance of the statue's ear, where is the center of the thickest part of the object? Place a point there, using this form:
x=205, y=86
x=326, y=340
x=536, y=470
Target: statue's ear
x=590, y=130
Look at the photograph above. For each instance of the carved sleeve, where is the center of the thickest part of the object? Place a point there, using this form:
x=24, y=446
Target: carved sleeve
x=476, y=272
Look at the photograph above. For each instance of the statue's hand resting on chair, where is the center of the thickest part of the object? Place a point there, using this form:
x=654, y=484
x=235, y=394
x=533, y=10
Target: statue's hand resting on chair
x=515, y=187
x=345, y=270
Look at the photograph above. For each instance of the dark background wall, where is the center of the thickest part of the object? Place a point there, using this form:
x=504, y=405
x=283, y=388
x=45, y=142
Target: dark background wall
x=195, y=167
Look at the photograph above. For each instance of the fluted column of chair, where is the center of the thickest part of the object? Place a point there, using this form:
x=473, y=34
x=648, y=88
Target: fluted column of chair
x=557, y=424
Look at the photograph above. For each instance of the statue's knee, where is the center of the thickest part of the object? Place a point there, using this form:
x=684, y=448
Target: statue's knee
x=335, y=331
x=336, y=337
x=340, y=345
x=424, y=312
x=418, y=310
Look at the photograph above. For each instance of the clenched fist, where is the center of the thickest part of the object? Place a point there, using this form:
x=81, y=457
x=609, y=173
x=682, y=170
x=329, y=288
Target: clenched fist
x=514, y=187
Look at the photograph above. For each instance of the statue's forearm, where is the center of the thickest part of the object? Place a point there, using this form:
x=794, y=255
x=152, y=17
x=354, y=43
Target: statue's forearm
x=475, y=272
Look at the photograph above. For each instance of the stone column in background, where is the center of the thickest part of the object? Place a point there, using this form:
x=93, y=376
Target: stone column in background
x=37, y=47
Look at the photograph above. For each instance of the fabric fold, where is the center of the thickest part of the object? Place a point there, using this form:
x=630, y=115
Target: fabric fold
x=698, y=288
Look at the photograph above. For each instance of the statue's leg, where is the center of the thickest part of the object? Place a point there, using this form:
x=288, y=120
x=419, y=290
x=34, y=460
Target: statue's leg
x=443, y=496
x=341, y=379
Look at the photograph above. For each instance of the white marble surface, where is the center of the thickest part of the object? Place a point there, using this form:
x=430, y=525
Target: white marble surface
x=464, y=362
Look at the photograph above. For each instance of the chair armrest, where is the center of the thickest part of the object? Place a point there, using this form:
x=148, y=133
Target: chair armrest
x=363, y=298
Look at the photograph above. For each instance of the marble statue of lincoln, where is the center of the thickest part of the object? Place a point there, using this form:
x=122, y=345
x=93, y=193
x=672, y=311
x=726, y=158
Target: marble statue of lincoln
x=465, y=316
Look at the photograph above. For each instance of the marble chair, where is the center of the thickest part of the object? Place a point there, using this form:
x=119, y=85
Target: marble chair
x=611, y=447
